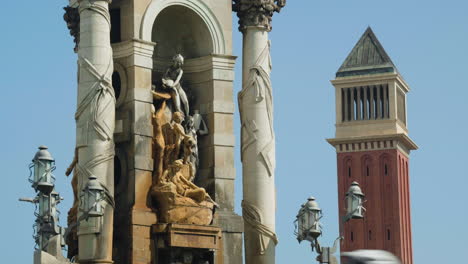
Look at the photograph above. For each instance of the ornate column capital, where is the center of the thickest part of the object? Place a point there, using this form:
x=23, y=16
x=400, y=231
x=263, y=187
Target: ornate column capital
x=72, y=18
x=256, y=13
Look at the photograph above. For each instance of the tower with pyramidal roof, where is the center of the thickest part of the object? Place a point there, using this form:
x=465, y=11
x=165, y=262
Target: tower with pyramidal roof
x=373, y=148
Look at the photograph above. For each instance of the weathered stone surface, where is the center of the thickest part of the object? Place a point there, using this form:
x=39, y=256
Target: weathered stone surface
x=42, y=257
x=173, y=208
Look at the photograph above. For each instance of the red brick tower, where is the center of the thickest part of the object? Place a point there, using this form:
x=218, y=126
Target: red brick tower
x=373, y=148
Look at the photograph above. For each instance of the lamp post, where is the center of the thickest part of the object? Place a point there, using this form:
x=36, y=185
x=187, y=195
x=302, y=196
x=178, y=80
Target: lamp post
x=48, y=235
x=308, y=225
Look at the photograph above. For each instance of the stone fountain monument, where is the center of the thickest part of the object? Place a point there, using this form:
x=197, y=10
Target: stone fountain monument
x=153, y=168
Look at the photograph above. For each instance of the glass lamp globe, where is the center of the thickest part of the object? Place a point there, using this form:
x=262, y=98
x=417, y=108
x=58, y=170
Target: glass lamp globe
x=308, y=217
x=43, y=164
x=44, y=207
x=92, y=196
x=354, y=200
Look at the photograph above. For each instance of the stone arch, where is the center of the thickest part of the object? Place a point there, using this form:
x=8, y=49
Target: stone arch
x=198, y=7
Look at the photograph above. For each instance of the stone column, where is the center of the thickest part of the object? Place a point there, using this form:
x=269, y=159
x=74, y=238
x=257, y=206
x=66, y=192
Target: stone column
x=346, y=104
x=358, y=104
x=95, y=121
x=366, y=104
x=372, y=102
x=257, y=135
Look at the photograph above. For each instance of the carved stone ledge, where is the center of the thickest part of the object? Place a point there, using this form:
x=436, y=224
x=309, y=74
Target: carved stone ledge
x=256, y=13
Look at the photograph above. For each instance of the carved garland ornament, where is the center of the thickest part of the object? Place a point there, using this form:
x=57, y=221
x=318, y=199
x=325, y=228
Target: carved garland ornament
x=256, y=12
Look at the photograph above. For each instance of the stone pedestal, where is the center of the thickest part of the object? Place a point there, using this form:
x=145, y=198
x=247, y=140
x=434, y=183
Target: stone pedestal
x=188, y=244
x=53, y=253
x=175, y=209
x=42, y=257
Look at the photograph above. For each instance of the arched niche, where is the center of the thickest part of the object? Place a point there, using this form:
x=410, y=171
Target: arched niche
x=198, y=7
x=182, y=29
x=178, y=29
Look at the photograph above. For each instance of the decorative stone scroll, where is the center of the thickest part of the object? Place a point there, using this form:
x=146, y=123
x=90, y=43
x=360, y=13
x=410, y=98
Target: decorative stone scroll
x=256, y=12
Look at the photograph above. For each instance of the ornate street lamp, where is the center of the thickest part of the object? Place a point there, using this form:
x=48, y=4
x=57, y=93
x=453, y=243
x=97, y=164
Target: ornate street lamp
x=46, y=226
x=43, y=164
x=354, y=200
x=91, y=198
x=308, y=226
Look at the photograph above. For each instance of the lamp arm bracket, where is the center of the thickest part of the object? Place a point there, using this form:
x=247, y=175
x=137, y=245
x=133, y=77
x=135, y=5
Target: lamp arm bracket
x=335, y=244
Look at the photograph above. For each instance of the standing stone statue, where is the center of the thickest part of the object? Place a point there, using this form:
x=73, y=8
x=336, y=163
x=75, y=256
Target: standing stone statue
x=196, y=126
x=171, y=81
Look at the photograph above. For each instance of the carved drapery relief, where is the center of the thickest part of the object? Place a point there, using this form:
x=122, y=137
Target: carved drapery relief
x=95, y=117
x=256, y=12
x=258, y=90
x=253, y=217
x=259, y=81
x=72, y=18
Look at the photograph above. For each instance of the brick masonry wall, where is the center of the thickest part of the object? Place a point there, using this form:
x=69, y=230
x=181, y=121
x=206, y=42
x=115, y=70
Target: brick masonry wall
x=383, y=176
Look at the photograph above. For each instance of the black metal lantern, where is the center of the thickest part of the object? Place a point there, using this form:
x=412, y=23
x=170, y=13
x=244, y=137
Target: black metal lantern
x=91, y=198
x=308, y=225
x=43, y=165
x=354, y=201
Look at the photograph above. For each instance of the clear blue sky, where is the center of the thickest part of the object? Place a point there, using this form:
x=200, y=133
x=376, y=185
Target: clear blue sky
x=427, y=40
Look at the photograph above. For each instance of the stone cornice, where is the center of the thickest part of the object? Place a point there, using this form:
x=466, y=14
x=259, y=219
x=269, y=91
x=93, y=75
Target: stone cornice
x=201, y=64
x=256, y=13
x=354, y=144
x=362, y=80
x=139, y=52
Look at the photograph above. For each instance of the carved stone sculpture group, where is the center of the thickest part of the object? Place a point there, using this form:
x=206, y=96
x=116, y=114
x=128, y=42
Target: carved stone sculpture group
x=175, y=197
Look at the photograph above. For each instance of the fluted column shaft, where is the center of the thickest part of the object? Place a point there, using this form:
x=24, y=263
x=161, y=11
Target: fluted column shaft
x=95, y=120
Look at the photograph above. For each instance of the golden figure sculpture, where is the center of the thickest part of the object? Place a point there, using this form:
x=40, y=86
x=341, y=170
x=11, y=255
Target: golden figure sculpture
x=174, y=196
